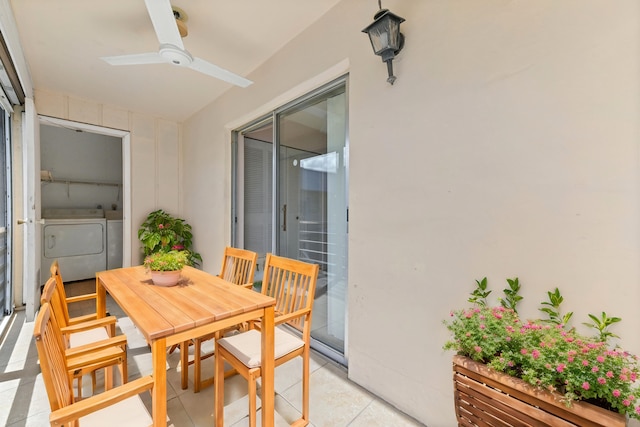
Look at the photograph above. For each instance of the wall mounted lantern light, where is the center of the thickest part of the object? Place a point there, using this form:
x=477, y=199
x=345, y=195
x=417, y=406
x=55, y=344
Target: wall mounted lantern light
x=386, y=39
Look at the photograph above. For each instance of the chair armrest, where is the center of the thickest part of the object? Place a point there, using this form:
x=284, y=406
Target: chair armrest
x=284, y=318
x=82, y=319
x=89, y=362
x=118, y=341
x=280, y=319
x=84, y=297
x=100, y=401
x=91, y=324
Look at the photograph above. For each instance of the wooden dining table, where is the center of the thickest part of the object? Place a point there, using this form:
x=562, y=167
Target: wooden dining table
x=200, y=304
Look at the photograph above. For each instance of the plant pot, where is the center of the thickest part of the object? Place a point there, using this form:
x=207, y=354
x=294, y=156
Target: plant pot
x=165, y=278
x=483, y=396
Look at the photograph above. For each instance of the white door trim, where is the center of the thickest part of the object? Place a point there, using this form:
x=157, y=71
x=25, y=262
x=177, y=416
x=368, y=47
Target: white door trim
x=31, y=213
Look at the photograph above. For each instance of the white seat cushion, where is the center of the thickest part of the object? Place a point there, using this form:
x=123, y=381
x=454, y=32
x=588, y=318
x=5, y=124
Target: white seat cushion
x=87, y=337
x=247, y=348
x=129, y=412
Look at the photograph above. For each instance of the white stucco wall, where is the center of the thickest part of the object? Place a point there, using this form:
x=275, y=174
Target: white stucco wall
x=507, y=147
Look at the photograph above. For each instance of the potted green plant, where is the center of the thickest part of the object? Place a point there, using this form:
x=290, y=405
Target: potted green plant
x=507, y=367
x=165, y=267
x=162, y=232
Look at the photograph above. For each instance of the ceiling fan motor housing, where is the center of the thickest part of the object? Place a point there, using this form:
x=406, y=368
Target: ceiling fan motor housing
x=175, y=55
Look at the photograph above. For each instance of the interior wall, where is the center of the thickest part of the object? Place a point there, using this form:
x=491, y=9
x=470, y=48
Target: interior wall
x=155, y=163
x=507, y=147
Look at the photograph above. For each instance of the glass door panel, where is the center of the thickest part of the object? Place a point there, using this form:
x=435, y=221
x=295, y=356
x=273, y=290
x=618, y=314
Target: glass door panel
x=6, y=294
x=312, y=200
x=297, y=161
x=257, y=223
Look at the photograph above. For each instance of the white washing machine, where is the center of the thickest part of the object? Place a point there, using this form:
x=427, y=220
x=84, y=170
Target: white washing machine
x=77, y=238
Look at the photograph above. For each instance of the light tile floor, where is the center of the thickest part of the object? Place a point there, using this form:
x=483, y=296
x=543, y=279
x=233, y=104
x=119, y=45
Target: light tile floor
x=335, y=401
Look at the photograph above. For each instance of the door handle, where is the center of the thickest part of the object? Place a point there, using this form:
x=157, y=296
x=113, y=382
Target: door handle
x=284, y=220
x=28, y=221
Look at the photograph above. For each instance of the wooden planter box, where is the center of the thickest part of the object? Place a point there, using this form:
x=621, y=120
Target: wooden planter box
x=484, y=397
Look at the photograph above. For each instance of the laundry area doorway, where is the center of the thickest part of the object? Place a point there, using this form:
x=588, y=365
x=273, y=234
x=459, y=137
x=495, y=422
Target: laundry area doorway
x=84, y=172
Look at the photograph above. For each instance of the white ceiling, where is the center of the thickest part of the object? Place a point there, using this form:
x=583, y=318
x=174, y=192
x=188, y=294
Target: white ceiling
x=63, y=41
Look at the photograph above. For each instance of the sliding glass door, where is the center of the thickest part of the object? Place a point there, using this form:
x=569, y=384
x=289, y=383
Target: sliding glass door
x=6, y=294
x=297, y=161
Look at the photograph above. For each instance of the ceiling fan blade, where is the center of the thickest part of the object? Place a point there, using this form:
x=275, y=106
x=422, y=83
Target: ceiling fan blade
x=164, y=23
x=220, y=73
x=135, y=59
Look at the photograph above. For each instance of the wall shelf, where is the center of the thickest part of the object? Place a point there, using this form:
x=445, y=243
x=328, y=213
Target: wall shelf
x=48, y=179
x=77, y=181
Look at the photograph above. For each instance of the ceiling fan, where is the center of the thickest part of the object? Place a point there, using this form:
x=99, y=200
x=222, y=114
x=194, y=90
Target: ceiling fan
x=171, y=49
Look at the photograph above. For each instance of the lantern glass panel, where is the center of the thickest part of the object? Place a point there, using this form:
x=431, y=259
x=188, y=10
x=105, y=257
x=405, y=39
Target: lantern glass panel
x=384, y=35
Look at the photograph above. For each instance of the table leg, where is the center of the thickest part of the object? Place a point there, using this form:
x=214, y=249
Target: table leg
x=218, y=387
x=184, y=364
x=101, y=311
x=268, y=364
x=101, y=299
x=159, y=392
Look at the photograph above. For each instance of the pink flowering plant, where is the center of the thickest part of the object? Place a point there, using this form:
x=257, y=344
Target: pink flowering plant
x=546, y=352
x=162, y=232
x=167, y=261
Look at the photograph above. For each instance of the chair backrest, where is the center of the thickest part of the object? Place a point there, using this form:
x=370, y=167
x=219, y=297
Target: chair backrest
x=239, y=266
x=51, y=296
x=52, y=359
x=293, y=284
x=55, y=274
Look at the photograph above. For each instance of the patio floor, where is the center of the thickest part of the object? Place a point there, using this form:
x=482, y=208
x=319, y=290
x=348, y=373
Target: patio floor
x=334, y=401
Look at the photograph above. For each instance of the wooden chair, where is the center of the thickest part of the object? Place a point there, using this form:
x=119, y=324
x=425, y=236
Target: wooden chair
x=88, y=345
x=292, y=283
x=55, y=273
x=120, y=406
x=64, y=317
x=238, y=267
